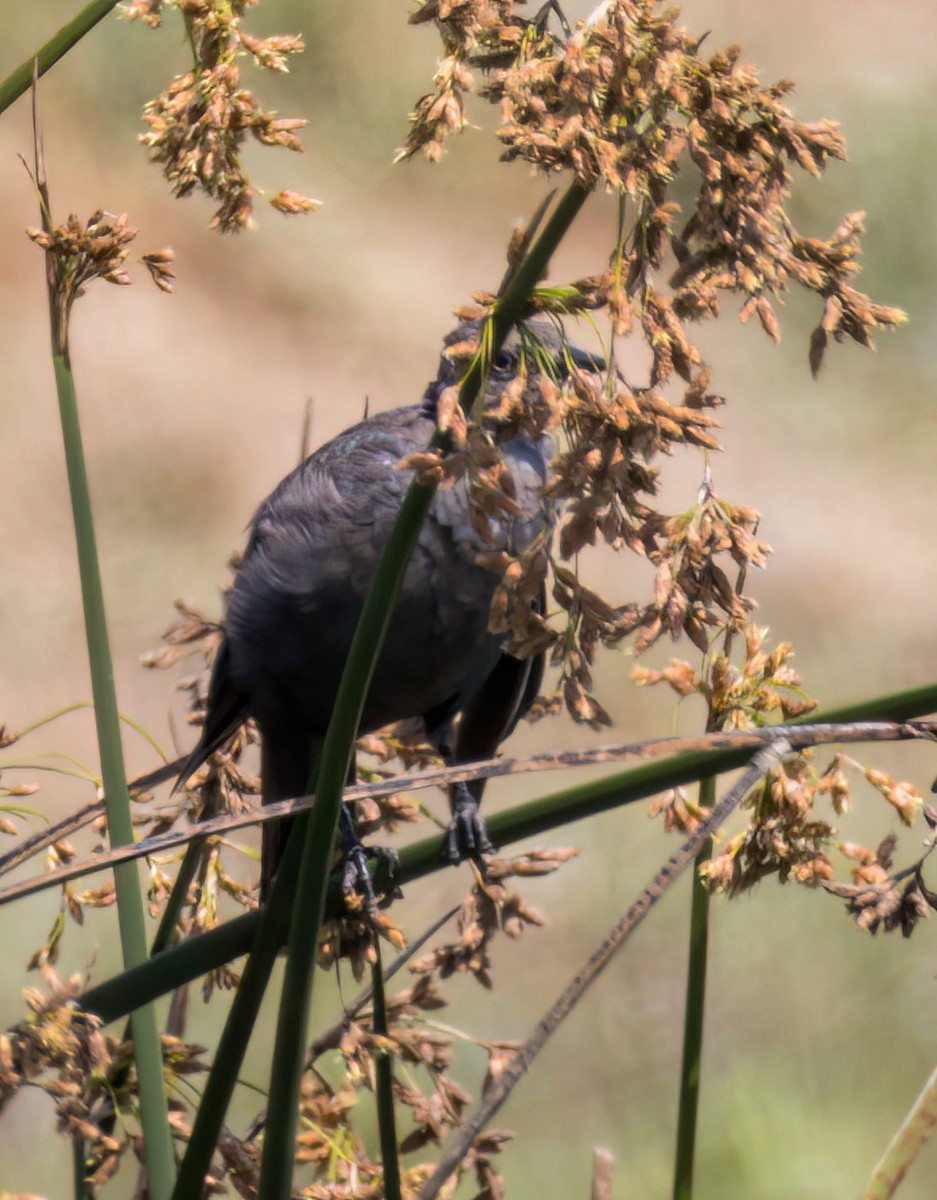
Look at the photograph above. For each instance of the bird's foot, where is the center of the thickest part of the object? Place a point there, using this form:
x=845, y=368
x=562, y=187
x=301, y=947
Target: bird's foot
x=384, y=872
x=357, y=879
x=467, y=836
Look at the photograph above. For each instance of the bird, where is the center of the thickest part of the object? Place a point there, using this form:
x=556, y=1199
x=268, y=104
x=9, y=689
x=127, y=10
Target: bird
x=313, y=547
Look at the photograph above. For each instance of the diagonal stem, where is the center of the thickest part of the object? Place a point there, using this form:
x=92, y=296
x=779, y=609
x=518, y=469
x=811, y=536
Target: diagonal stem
x=501, y=1089
x=55, y=48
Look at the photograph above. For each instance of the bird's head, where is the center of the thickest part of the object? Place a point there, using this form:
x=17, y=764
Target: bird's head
x=538, y=346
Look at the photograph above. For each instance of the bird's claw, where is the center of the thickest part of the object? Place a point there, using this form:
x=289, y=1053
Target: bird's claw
x=466, y=836
x=356, y=876
x=384, y=872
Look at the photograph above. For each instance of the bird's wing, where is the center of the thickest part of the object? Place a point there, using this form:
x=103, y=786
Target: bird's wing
x=328, y=520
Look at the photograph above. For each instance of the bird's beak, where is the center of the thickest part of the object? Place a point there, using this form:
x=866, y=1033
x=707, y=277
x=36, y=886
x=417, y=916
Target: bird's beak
x=585, y=360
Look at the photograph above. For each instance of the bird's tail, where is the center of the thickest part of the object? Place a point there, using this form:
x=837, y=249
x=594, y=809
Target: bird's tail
x=286, y=761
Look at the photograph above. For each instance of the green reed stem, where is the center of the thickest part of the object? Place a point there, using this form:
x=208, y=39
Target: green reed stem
x=55, y=48
x=147, y=1046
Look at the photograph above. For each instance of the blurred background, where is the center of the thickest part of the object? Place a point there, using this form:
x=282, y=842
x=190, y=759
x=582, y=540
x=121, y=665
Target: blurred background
x=819, y=1036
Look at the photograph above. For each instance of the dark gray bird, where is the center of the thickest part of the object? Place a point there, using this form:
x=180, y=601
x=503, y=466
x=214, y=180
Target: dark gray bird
x=314, y=546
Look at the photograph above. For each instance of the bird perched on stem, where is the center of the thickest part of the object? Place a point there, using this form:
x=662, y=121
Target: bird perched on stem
x=314, y=545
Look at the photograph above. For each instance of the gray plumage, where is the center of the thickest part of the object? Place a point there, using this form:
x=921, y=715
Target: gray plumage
x=314, y=545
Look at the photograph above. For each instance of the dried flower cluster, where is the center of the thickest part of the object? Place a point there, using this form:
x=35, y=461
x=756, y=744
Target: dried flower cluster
x=745, y=697
x=331, y=1154
x=89, y=1076
x=603, y=483
x=92, y=1082
x=198, y=126
x=78, y=253
x=880, y=898
x=623, y=102
x=464, y=26
x=627, y=101
x=784, y=837
x=488, y=909
x=424, y=1050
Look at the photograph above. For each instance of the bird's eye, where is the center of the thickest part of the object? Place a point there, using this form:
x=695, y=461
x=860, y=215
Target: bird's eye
x=505, y=363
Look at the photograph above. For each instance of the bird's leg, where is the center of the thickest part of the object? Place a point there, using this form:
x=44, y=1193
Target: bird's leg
x=466, y=836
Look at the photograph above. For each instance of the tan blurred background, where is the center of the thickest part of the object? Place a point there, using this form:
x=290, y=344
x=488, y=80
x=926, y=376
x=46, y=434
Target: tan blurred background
x=819, y=1036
